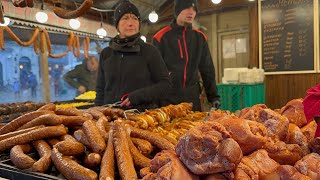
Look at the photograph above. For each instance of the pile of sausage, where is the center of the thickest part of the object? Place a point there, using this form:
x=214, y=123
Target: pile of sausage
x=81, y=144
x=11, y=111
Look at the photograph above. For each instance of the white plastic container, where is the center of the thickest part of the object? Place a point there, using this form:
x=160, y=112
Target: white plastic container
x=231, y=75
x=247, y=77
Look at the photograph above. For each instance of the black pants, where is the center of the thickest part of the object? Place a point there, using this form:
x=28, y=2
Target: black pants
x=189, y=94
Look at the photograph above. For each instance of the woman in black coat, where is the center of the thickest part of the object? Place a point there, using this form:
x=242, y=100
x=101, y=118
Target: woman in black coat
x=130, y=70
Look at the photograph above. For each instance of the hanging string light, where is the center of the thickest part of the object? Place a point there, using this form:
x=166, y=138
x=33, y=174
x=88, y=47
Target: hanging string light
x=74, y=23
x=101, y=32
x=6, y=22
x=153, y=16
x=6, y=19
x=41, y=16
x=216, y=1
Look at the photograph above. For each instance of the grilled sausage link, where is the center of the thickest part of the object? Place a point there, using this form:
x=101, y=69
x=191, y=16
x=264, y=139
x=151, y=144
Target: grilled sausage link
x=18, y=122
x=107, y=163
x=41, y=133
x=70, y=148
x=70, y=168
x=19, y=158
x=95, y=139
x=44, y=150
x=46, y=119
x=64, y=14
x=122, y=152
x=92, y=160
x=153, y=138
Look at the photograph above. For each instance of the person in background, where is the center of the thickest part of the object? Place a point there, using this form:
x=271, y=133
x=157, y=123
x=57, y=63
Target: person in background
x=16, y=88
x=56, y=75
x=83, y=76
x=186, y=53
x=130, y=70
x=32, y=83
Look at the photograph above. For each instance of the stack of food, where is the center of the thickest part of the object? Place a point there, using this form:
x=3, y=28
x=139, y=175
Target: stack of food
x=11, y=111
x=82, y=101
x=89, y=95
x=259, y=143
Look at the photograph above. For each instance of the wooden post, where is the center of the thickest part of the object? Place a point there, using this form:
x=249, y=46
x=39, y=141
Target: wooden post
x=44, y=70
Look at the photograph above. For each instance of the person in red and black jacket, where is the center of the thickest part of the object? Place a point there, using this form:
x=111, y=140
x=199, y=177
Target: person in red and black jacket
x=130, y=70
x=186, y=53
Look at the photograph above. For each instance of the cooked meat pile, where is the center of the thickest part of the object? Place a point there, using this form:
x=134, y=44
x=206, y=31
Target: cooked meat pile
x=257, y=143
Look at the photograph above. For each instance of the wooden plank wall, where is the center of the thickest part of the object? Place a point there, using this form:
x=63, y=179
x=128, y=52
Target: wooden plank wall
x=280, y=89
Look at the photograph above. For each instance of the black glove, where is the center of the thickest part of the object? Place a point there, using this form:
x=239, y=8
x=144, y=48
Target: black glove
x=216, y=104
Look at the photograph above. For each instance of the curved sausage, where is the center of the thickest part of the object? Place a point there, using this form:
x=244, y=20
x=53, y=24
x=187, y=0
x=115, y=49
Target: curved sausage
x=69, y=148
x=81, y=137
x=44, y=150
x=70, y=168
x=92, y=160
x=122, y=152
x=77, y=47
x=95, y=113
x=49, y=107
x=153, y=138
x=101, y=125
x=1, y=15
x=47, y=119
x=114, y=113
x=64, y=14
x=28, y=43
x=69, y=42
x=143, y=146
x=68, y=112
x=58, y=55
x=19, y=158
x=15, y=133
x=16, y=123
x=46, y=35
x=42, y=42
x=36, y=47
x=138, y=159
x=68, y=138
x=2, y=39
x=41, y=133
x=71, y=121
x=85, y=48
x=52, y=141
x=95, y=139
x=107, y=163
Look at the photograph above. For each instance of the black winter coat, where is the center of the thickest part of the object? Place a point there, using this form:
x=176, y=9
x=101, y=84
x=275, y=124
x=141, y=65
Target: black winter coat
x=186, y=53
x=130, y=66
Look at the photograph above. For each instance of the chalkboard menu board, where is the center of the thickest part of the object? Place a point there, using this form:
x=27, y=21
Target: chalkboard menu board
x=287, y=35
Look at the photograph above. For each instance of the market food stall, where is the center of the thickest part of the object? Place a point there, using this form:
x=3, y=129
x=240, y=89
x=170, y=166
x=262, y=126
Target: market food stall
x=74, y=139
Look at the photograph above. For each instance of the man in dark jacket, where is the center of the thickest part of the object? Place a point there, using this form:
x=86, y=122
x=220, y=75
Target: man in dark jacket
x=83, y=77
x=130, y=70
x=186, y=53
